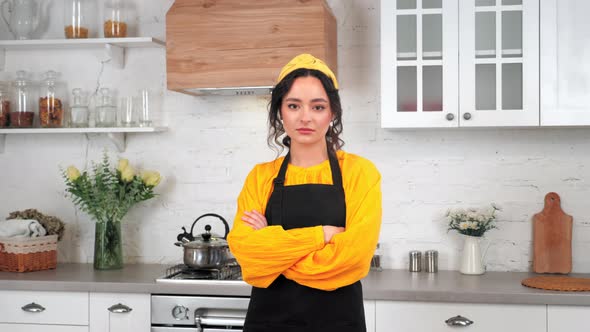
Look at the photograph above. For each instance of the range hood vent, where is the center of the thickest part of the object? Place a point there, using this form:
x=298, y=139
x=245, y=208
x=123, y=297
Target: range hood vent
x=232, y=91
x=237, y=47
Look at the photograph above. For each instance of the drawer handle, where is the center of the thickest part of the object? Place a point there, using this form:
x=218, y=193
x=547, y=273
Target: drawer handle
x=33, y=307
x=119, y=308
x=458, y=321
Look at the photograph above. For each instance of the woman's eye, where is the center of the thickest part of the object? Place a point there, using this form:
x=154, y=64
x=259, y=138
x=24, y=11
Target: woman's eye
x=292, y=106
x=319, y=107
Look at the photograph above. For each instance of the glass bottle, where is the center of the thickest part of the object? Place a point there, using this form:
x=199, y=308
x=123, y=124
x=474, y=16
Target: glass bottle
x=79, y=110
x=4, y=105
x=51, y=101
x=376, y=261
x=23, y=114
x=79, y=18
x=106, y=111
x=115, y=19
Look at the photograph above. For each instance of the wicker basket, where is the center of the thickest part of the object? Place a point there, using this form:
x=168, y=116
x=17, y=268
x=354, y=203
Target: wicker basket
x=28, y=254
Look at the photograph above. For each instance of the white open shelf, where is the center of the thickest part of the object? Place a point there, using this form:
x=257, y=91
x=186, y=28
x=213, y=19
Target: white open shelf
x=127, y=42
x=114, y=47
x=117, y=134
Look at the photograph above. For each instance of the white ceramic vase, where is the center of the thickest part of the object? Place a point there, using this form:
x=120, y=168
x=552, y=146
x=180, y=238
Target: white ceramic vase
x=472, y=259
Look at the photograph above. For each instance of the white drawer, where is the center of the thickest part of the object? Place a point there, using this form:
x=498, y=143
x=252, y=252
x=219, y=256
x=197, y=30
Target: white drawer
x=425, y=316
x=67, y=308
x=42, y=328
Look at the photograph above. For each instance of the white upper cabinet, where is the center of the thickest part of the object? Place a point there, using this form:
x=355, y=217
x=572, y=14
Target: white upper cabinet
x=469, y=63
x=419, y=63
x=499, y=63
x=565, y=70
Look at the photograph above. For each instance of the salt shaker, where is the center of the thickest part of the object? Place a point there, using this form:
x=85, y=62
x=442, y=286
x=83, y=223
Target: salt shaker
x=415, y=261
x=431, y=258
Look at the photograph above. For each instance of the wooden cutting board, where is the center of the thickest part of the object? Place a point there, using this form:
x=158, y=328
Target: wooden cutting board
x=552, y=238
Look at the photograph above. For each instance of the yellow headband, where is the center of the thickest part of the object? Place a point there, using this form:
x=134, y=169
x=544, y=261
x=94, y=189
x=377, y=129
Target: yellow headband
x=307, y=61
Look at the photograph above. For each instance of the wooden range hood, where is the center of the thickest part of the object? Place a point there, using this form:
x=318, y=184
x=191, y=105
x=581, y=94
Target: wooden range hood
x=237, y=47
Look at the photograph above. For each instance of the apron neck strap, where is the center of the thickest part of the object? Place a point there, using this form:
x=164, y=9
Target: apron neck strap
x=334, y=167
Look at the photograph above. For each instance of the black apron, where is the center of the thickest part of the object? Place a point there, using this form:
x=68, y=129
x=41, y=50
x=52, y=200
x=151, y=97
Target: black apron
x=285, y=305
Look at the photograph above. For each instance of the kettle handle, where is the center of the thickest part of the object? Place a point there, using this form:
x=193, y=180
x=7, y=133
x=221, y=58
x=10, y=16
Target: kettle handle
x=3, y=12
x=212, y=215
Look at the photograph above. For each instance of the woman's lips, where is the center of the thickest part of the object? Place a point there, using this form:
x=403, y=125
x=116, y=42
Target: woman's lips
x=305, y=131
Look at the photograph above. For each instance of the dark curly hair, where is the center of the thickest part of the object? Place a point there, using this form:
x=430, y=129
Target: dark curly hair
x=275, y=126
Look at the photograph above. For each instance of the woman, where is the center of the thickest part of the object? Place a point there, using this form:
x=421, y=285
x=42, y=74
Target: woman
x=308, y=223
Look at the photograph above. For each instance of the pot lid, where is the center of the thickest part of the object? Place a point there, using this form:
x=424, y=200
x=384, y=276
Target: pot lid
x=201, y=243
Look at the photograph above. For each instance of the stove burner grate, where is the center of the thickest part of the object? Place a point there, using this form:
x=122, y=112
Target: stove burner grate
x=231, y=271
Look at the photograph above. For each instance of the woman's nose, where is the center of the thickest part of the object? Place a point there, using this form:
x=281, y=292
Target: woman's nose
x=305, y=114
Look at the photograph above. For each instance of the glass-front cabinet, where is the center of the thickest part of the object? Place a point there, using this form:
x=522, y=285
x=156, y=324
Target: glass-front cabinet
x=565, y=65
x=499, y=63
x=449, y=63
x=419, y=61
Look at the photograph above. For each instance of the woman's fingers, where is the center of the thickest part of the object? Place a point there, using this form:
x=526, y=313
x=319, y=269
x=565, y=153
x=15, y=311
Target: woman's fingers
x=254, y=219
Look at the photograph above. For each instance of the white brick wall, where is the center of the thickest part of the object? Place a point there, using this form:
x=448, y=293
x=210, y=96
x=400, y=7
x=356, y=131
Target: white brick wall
x=213, y=142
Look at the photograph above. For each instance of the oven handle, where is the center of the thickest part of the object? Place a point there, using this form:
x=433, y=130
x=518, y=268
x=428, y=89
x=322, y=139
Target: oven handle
x=218, y=321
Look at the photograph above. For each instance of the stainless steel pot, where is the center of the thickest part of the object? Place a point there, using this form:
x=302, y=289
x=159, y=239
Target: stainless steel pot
x=205, y=251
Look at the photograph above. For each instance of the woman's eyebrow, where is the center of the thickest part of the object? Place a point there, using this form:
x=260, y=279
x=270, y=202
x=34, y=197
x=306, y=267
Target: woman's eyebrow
x=315, y=100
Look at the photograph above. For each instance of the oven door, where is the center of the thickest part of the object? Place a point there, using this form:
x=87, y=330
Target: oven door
x=198, y=313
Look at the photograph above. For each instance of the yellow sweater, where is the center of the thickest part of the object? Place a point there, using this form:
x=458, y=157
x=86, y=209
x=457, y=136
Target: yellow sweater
x=300, y=254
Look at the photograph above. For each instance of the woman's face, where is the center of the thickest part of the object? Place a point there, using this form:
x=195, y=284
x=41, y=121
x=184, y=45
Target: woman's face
x=306, y=112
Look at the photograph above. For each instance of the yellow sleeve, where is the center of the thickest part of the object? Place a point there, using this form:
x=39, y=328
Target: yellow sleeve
x=347, y=258
x=266, y=253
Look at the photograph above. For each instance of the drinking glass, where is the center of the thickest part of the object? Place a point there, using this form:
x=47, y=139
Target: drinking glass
x=145, y=105
x=128, y=109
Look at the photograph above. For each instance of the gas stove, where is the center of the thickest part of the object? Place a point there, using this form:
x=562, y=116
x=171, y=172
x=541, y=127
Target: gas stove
x=181, y=273
x=176, y=313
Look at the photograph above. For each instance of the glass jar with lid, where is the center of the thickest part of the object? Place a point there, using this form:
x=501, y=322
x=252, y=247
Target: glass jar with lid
x=106, y=111
x=115, y=23
x=51, y=101
x=80, y=18
x=22, y=114
x=4, y=104
x=79, y=109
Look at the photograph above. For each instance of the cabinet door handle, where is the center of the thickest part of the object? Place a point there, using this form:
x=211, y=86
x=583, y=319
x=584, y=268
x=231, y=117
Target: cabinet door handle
x=467, y=116
x=33, y=307
x=119, y=308
x=458, y=321
x=450, y=116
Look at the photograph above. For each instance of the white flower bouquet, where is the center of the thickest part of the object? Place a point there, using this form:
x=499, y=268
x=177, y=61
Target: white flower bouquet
x=472, y=222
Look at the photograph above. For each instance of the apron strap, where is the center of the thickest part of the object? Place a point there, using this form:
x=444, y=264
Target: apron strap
x=276, y=199
x=335, y=168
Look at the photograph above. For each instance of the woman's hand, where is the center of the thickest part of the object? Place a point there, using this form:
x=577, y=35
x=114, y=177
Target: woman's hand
x=330, y=231
x=254, y=219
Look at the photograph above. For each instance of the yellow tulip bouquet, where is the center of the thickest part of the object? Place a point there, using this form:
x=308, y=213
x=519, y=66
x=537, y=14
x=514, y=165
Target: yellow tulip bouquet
x=107, y=194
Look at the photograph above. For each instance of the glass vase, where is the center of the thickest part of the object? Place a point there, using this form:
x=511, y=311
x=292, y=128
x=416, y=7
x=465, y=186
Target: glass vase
x=108, y=249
